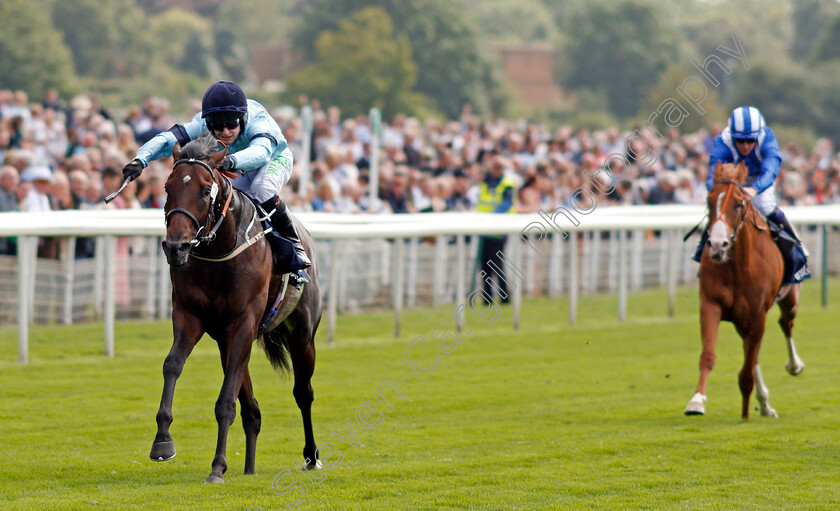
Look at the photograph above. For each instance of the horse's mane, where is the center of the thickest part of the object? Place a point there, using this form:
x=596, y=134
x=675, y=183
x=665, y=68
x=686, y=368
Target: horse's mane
x=731, y=172
x=200, y=148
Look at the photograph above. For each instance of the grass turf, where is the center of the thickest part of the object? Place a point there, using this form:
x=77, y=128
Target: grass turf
x=553, y=416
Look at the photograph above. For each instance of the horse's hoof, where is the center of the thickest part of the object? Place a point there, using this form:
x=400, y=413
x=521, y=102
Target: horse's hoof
x=314, y=466
x=214, y=479
x=162, y=451
x=696, y=406
x=795, y=368
x=769, y=412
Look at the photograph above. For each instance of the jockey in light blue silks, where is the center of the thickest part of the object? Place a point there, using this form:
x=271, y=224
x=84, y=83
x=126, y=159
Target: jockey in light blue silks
x=747, y=139
x=256, y=144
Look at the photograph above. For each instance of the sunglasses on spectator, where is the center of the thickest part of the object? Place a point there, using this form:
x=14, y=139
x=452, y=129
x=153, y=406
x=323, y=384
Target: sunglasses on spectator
x=221, y=124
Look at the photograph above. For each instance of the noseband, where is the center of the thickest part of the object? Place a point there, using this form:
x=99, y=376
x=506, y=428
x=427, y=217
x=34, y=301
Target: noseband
x=214, y=192
x=740, y=224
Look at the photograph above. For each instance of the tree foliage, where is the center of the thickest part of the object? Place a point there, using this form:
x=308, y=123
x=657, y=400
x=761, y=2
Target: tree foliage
x=361, y=65
x=503, y=21
x=621, y=48
x=827, y=47
x=189, y=43
x=272, y=25
x=452, y=68
x=32, y=56
x=106, y=38
x=669, y=81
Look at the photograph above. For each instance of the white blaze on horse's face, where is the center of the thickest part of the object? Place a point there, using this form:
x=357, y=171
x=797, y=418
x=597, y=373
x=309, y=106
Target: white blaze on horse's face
x=719, y=242
x=187, y=179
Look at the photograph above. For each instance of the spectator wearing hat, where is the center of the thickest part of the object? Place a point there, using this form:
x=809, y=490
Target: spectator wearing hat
x=37, y=198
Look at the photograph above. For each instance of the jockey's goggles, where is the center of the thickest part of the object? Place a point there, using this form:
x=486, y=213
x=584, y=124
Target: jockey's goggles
x=745, y=141
x=220, y=123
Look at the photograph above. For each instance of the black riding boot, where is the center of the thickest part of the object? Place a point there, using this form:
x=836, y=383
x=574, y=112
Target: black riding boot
x=282, y=221
x=704, y=237
x=779, y=217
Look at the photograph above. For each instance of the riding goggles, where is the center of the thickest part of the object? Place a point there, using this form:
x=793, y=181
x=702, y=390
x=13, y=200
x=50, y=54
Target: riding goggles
x=220, y=123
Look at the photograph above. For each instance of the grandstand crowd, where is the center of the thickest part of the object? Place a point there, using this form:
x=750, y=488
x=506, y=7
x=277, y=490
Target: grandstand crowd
x=68, y=155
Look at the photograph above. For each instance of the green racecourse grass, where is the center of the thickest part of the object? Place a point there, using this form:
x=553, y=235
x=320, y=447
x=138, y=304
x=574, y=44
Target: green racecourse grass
x=550, y=417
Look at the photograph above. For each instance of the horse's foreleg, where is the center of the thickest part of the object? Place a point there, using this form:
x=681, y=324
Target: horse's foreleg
x=710, y=315
x=187, y=331
x=302, y=351
x=751, y=334
x=763, y=395
x=788, y=305
x=236, y=351
x=251, y=420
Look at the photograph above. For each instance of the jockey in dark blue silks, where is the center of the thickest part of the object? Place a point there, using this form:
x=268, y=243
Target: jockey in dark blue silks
x=256, y=144
x=747, y=139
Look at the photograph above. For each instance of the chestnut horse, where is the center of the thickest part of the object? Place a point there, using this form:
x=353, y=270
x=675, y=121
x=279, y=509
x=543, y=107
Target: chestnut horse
x=740, y=280
x=224, y=281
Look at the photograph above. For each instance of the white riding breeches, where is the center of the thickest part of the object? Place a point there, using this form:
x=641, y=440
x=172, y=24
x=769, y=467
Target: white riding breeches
x=267, y=181
x=765, y=202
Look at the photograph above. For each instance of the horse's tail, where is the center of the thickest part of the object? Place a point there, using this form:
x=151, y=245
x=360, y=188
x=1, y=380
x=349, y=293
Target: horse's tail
x=277, y=350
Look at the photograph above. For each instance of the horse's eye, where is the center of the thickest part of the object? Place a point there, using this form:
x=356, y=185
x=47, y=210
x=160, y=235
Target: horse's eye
x=739, y=204
x=207, y=192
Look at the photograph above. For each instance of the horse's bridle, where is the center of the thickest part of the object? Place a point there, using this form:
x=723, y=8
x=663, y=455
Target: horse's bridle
x=214, y=192
x=723, y=208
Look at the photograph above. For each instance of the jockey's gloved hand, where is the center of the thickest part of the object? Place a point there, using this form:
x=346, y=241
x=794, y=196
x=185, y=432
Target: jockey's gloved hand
x=227, y=164
x=133, y=170
x=751, y=192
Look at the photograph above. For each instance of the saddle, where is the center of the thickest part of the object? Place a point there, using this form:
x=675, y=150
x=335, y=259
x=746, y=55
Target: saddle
x=286, y=259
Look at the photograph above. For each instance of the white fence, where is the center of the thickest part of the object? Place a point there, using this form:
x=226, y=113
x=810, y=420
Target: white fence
x=370, y=261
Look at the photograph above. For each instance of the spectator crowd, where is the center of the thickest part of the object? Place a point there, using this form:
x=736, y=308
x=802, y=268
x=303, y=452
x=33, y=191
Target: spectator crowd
x=56, y=155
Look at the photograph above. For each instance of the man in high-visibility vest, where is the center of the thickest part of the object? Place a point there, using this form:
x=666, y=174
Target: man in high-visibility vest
x=496, y=195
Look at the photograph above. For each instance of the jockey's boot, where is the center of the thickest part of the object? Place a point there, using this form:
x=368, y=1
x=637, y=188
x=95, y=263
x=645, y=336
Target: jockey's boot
x=779, y=217
x=283, y=223
x=704, y=237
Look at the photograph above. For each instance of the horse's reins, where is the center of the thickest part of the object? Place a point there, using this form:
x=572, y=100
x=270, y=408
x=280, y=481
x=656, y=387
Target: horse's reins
x=214, y=192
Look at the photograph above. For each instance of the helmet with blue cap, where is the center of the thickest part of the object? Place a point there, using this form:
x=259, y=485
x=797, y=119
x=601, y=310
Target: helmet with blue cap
x=746, y=122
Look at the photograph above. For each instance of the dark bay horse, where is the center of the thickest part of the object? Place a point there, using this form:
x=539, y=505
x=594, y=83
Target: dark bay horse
x=223, y=283
x=740, y=280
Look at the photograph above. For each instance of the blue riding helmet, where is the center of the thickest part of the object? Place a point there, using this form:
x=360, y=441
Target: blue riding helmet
x=224, y=98
x=746, y=122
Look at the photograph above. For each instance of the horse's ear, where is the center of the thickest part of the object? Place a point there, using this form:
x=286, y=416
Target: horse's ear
x=743, y=171
x=718, y=166
x=218, y=157
x=176, y=152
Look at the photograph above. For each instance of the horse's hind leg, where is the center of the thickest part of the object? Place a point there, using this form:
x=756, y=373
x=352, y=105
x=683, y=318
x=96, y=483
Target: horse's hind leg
x=302, y=351
x=751, y=333
x=251, y=420
x=187, y=332
x=788, y=305
x=709, y=322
